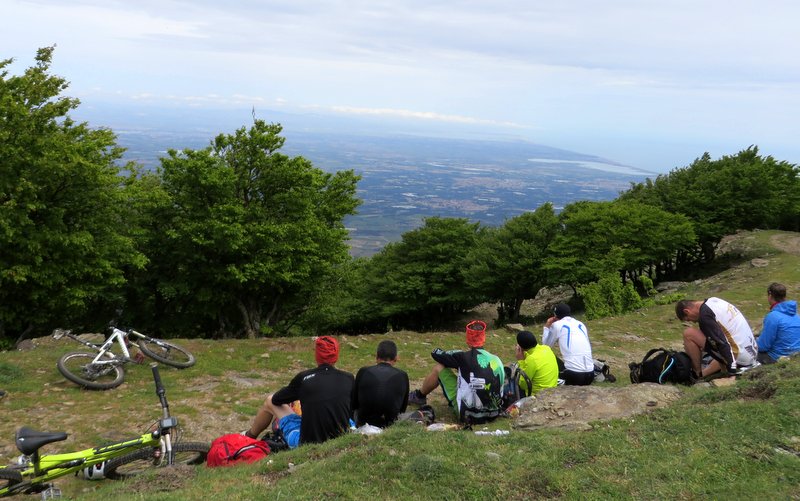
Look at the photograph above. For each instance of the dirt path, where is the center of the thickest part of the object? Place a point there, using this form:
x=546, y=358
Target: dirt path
x=786, y=242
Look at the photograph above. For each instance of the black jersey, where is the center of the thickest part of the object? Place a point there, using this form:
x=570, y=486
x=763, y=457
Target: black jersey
x=324, y=395
x=381, y=393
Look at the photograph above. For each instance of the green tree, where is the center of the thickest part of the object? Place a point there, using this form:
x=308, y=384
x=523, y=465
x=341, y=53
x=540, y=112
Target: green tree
x=506, y=265
x=742, y=191
x=418, y=282
x=246, y=235
x=597, y=238
x=64, y=237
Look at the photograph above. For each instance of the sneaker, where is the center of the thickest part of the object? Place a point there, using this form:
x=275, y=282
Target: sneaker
x=417, y=398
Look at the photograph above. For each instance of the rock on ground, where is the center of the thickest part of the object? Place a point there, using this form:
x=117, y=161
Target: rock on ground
x=574, y=407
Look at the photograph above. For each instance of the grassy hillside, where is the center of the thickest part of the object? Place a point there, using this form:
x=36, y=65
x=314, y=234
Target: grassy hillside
x=741, y=441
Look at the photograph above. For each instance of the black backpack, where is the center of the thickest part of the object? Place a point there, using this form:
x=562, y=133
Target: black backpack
x=663, y=366
x=425, y=415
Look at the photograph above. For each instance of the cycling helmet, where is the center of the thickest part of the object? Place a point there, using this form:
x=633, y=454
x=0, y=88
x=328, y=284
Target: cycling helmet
x=95, y=472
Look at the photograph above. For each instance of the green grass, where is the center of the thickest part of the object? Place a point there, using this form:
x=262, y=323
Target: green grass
x=741, y=441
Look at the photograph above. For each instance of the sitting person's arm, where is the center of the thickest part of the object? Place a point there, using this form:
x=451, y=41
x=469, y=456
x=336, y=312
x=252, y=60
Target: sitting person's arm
x=288, y=394
x=446, y=358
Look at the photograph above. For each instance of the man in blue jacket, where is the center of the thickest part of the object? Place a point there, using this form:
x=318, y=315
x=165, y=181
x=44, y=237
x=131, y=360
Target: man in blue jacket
x=781, y=333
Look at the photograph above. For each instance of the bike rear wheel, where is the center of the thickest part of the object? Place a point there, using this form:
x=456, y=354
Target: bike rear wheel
x=123, y=467
x=79, y=368
x=166, y=353
x=9, y=478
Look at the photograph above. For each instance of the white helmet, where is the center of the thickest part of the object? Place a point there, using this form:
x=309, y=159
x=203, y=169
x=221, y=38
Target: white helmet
x=95, y=472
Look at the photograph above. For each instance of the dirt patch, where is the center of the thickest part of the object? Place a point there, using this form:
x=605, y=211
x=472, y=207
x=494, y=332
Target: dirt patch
x=757, y=385
x=574, y=407
x=166, y=479
x=788, y=243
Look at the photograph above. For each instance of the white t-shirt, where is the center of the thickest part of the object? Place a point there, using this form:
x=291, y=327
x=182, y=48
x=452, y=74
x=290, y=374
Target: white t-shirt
x=573, y=341
x=732, y=325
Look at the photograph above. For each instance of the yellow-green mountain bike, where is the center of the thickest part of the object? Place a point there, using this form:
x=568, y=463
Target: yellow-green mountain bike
x=34, y=472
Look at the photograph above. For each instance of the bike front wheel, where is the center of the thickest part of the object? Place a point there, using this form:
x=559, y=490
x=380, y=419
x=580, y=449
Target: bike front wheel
x=166, y=353
x=123, y=467
x=81, y=369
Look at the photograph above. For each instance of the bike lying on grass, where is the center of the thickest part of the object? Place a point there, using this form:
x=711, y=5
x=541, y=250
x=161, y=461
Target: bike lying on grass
x=159, y=447
x=103, y=370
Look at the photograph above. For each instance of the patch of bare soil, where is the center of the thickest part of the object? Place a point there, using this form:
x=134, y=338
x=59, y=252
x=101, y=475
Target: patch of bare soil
x=789, y=243
x=574, y=407
x=165, y=479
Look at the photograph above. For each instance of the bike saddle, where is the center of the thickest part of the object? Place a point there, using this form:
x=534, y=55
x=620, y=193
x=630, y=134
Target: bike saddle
x=28, y=440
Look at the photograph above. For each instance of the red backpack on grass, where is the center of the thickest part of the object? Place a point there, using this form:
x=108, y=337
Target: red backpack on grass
x=235, y=448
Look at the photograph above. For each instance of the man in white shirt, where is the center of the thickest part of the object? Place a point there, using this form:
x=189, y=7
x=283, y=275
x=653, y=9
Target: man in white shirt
x=572, y=337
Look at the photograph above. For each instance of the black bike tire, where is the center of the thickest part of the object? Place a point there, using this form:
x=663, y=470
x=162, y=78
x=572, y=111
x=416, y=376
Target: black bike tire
x=88, y=383
x=9, y=478
x=158, y=343
x=144, y=459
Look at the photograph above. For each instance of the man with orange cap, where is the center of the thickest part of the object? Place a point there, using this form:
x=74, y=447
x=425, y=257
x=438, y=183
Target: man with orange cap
x=473, y=381
x=324, y=394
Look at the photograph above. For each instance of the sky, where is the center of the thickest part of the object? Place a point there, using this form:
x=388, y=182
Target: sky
x=651, y=84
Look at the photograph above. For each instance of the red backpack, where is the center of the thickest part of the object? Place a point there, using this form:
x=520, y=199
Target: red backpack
x=235, y=448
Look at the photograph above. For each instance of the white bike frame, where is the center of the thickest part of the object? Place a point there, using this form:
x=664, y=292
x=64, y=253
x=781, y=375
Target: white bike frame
x=117, y=336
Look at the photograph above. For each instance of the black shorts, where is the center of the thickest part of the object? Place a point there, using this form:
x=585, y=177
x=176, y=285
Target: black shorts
x=573, y=378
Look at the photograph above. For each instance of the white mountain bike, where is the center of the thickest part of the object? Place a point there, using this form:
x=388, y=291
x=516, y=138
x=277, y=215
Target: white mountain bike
x=103, y=369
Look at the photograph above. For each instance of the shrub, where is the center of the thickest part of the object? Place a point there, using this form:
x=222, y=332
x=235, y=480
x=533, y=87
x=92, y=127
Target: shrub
x=608, y=297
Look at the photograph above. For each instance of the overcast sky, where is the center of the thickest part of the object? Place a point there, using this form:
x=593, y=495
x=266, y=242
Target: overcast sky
x=652, y=84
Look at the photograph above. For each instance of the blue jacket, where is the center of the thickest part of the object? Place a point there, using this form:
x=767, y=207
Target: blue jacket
x=781, y=333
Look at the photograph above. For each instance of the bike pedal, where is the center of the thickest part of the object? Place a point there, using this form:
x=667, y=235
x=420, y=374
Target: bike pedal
x=51, y=492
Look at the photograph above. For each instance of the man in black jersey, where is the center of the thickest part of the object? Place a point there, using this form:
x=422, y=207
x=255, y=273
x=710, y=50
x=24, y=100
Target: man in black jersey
x=324, y=394
x=381, y=390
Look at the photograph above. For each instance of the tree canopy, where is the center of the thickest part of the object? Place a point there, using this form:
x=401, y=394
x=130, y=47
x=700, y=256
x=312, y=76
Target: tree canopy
x=246, y=233
x=743, y=191
x=507, y=264
x=64, y=243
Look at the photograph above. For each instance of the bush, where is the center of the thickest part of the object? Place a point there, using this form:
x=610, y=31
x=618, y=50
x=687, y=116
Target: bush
x=646, y=284
x=608, y=297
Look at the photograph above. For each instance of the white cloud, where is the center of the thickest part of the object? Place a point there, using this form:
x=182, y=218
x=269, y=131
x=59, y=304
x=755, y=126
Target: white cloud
x=722, y=70
x=422, y=115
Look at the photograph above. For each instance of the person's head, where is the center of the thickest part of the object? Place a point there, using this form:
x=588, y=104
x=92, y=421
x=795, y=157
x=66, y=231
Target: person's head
x=561, y=310
x=776, y=293
x=386, y=352
x=326, y=350
x=525, y=341
x=476, y=334
x=687, y=310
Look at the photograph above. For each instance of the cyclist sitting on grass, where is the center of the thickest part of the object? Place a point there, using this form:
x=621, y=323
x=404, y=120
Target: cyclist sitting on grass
x=324, y=395
x=381, y=391
x=538, y=361
x=472, y=380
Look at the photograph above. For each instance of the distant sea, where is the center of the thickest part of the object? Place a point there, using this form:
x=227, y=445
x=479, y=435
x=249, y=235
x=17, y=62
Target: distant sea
x=407, y=178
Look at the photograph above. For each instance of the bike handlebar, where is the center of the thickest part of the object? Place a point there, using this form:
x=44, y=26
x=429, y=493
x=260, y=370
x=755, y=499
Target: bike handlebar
x=160, y=391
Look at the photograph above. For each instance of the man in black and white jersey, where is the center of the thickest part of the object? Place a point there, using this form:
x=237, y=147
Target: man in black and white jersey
x=722, y=332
